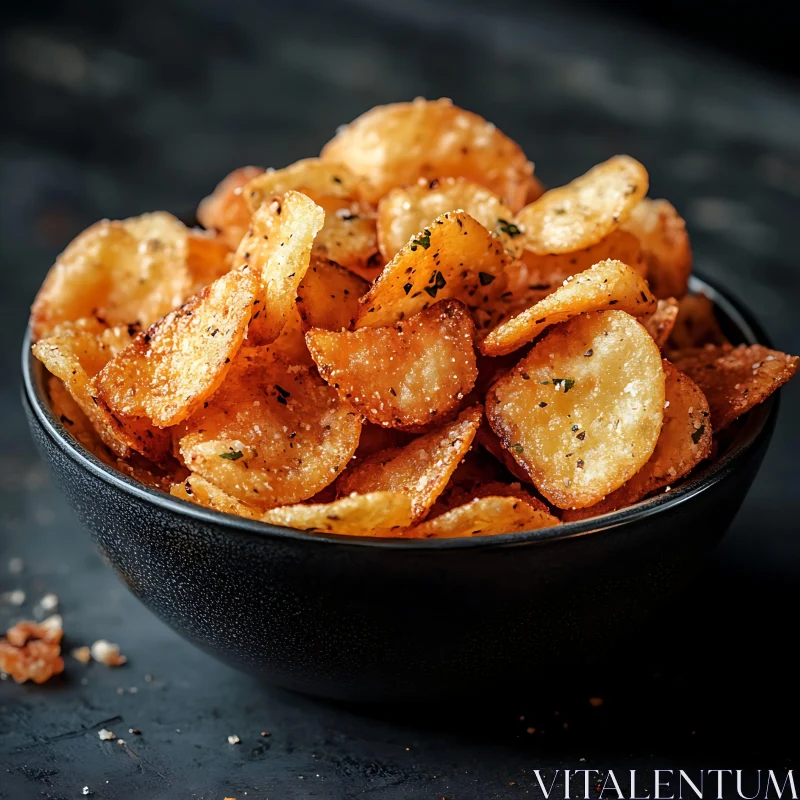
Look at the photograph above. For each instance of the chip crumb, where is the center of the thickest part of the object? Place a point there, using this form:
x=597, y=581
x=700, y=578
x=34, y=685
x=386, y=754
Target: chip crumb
x=16, y=565
x=595, y=702
x=234, y=739
x=266, y=733
x=49, y=602
x=135, y=731
x=15, y=597
x=106, y=735
x=82, y=654
x=85, y=790
x=107, y=653
x=530, y=730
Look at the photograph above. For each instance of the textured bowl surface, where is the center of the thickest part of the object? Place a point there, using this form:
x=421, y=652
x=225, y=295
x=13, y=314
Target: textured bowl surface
x=381, y=619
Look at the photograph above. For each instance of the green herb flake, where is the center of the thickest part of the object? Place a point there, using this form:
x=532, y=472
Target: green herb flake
x=485, y=278
x=697, y=435
x=508, y=227
x=567, y=383
x=517, y=448
x=234, y=455
x=437, y=282
x=424, y=241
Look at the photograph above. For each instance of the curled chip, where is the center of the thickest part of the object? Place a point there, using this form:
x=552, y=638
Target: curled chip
x=487, y=515
x=696, y=324
x=660, y=325
x=606, y=285
x=291, y=343
x=197, y=489
x=349, y=234
x=420, y=469
x=581, y=413
x=130, y=272
x=665, y=245
x=397, y=144
x=278, y=249
x=328, y=295
x=208, y=258
x=408, y=209
x=588, y=209
x=273, y=433
x=226, y=209
x=75, y=354
x=372, y=514
x=456, y=257
x=684, y=441
x=735, y=380
x=170, y=369
x=408, y=375
x=555, y=268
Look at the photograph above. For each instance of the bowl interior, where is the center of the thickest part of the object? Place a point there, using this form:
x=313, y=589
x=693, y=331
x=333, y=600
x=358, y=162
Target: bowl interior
x=737, y=324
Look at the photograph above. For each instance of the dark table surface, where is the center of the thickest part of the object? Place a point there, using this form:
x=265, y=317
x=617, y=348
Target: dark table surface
x=145, y=106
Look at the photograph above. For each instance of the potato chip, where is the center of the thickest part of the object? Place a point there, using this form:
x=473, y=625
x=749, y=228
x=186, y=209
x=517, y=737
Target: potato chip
x=75, y=353
x=411, y=374
x=278, y=248
x=169, y=370
x=273, y=433
x=408, y=209
x=484, y=516
x=581, y=413
x=554, y=269
x=130, y=272
x=684, y=441
x=696, y=324
x=660, y=325
x=735, y=380
x=226, y=209
x=398, y=144
x=75, y=421
x=208, y=258
x=607, y=284
x=349, y=234
x=585, y=211
x=291, y=343
x=328, y=295
x=372, y=514
x=487, y=439
x=198, y=490
x=420, y=469
x=311, y=176
x=665, y=245
x=456, y=257
x=375, y=438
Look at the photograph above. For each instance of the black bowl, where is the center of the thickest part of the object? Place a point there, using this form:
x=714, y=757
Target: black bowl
x=380, y=619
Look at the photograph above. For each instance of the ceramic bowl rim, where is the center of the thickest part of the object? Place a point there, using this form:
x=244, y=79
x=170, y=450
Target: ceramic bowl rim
x=756, y=425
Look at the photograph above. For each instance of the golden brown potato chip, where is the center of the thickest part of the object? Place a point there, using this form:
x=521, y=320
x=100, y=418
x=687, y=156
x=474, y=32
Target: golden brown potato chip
x=226, y=209
x=585, y=211
x=665, y=245
x=130, y=272
x=273, y=433
x=197, y=489
x=75, y=421
x=420, y=469
x=606, y=285
x=696, y=324
x=373, y=514
x=487, y=439
x=328, y=295
x=398, y=144
x=735, y=380
x=170, y=369
x=375, y=438
x=484, y=516
x=660, y=325
x=278, y=248
x=456, y=257
x=75, y=353
x=349, y=235
x=554, y=269
x=581, y=413
x=408, y=375
x=208, y=258
x=684, y=441
x=408, y=209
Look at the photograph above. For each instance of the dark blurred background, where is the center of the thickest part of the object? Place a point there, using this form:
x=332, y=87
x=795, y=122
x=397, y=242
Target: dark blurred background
x=111, y=109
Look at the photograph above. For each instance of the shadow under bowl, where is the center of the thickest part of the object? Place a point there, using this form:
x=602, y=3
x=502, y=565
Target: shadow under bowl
x=366, y=619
